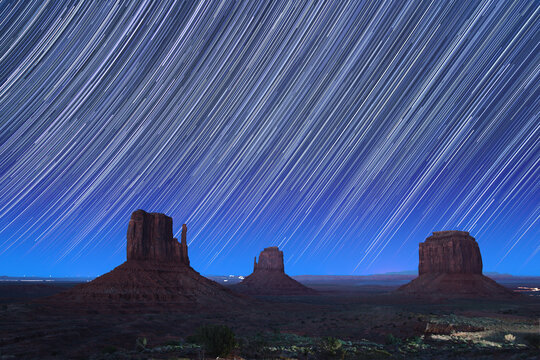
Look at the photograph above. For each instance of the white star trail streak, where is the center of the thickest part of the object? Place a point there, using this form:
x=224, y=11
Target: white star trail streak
x=345, y=132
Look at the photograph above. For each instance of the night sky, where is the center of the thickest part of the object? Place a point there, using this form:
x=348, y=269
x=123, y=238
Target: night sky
x=343, y=132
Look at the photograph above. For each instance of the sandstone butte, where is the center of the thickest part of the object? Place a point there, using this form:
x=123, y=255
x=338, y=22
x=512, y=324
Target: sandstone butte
x=157, y=271
x=450, y=265
x=269, y=278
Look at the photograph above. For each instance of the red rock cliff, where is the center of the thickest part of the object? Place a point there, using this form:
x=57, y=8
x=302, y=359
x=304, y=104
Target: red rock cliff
x=450, y=252
x=270, y=259
x=150, y=238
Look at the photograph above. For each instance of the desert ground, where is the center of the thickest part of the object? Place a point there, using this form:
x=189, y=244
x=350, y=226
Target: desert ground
x=348, y=319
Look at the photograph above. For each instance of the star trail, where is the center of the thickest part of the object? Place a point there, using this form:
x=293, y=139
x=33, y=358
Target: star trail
x=343, y=132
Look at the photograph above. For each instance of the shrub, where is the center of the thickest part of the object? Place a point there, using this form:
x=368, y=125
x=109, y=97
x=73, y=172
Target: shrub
x=415, y=340
x=331, y=347
x=331, y=344
x=392, y=340
x=218, y=340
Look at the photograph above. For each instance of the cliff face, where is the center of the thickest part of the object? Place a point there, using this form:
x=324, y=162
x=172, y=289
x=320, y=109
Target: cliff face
x=450, y=265
x=270, y=259
x=450, y=252
x=150, y=238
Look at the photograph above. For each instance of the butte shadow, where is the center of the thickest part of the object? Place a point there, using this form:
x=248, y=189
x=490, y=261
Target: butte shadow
x=450, y=266
x=269, y=278
x=157, y=273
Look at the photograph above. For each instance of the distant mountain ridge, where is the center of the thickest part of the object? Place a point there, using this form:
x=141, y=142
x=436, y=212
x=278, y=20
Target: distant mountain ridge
x=406, y=274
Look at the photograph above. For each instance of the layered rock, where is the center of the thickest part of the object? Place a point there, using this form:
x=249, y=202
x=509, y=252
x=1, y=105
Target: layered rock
x=269, y=278
x=157, y=271
x=450, y=265
x=270, y=259
x=450, y=252
x=150, y=238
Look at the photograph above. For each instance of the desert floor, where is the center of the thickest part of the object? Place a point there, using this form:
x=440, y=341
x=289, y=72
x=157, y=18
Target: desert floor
x=345, y=321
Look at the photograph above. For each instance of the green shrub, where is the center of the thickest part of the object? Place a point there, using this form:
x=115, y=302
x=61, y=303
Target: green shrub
x=416, y=340
x=331, y=344
x=218, y=340
x=392, y=340
x=332, y=347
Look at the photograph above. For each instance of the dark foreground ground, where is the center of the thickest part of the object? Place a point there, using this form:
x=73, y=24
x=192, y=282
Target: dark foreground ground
x=349, y=319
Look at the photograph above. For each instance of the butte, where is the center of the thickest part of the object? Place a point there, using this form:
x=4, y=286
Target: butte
x=157, y=272
x=450, y=266
x=269, y=278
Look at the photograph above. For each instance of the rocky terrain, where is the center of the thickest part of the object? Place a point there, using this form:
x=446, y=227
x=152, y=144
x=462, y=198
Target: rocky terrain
x=450, y=265
x=340, y=322
x=269, y=278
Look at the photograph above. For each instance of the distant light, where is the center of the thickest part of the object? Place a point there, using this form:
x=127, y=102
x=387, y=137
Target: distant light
x=525, y=288
x=241, y=277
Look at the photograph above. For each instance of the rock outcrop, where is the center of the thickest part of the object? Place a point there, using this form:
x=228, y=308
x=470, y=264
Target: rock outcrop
x=450, y=265
x=270, y=259
x=157, y=272
x=450, y=252
x=269, y=278
x=150, y=238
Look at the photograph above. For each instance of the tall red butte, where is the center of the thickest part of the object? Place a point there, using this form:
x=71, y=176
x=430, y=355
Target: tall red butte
x=450, y=265
x=269, y=278
x=157, y=271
